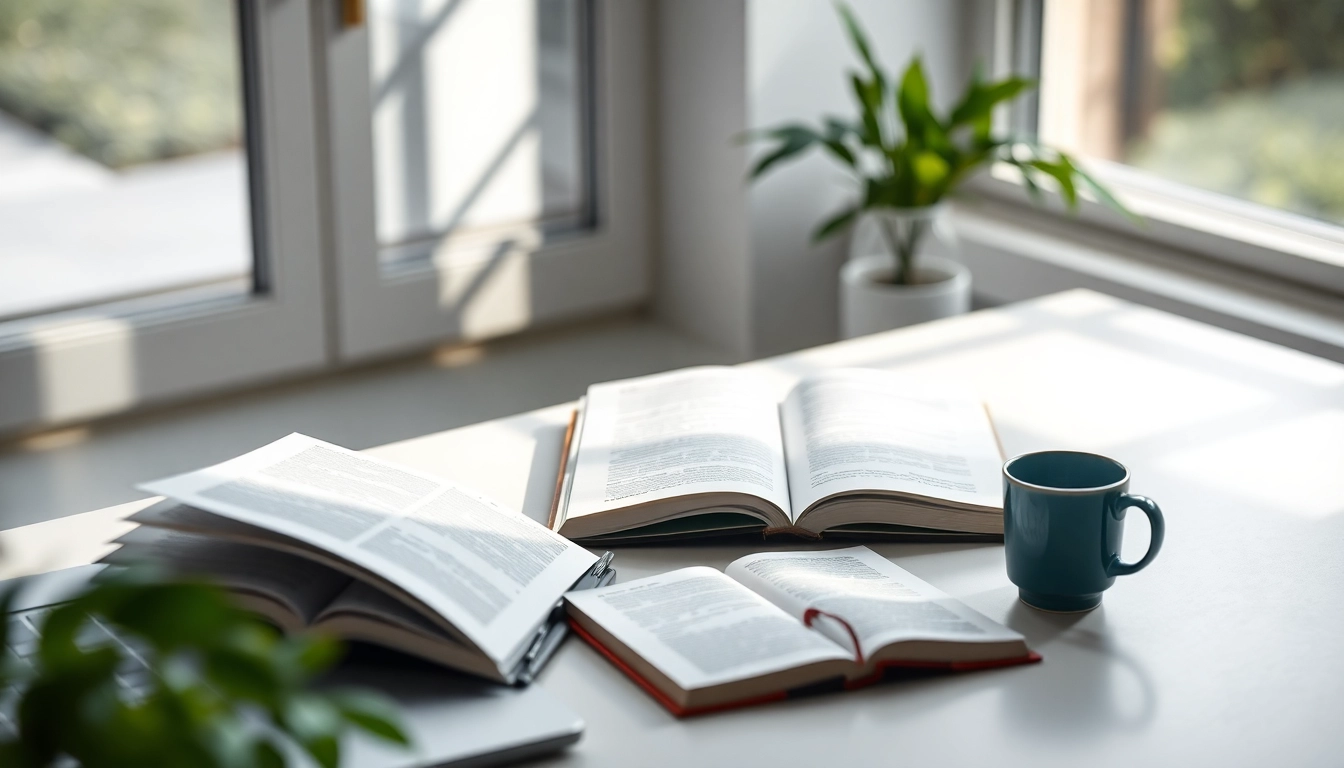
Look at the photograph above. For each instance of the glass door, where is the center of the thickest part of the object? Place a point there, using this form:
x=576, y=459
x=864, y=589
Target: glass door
x=488, y=166
x=158, y=208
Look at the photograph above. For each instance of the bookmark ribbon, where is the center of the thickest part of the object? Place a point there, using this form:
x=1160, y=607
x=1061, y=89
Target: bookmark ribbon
x=812, y=613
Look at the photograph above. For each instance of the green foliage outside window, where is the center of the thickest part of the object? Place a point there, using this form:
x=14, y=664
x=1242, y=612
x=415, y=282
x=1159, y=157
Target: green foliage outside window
x=1252, y=95
x=124, y=82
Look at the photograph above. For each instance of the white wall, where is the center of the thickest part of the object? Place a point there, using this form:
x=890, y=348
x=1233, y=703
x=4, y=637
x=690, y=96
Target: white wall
x=736, y=265
x=703, y=282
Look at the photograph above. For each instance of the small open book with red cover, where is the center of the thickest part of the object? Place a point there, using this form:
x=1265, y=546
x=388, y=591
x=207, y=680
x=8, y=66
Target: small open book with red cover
x=778, y=624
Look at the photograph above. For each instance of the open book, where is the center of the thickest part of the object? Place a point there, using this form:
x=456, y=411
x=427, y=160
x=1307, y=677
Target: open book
x=312, y=535
x=783, y=623
x=709, y=451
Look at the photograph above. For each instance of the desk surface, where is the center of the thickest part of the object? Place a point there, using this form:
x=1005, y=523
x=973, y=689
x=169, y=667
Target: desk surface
x=1224, y=651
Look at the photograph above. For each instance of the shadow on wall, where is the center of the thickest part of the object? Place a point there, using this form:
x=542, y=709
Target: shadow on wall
x=483, y=133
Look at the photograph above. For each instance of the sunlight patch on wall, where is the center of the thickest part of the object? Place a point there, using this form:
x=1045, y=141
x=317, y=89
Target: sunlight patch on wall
x=84, y=368
x=491, y=297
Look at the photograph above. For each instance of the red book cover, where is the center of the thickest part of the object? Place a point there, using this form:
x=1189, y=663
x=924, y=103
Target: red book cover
x=877, y=676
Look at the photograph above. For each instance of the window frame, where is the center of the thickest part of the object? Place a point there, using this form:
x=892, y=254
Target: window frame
x=78, y=364
x=1180, y=222
x=477, y=285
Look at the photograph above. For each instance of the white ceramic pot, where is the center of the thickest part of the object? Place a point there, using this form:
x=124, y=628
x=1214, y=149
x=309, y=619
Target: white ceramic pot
x=868, y=304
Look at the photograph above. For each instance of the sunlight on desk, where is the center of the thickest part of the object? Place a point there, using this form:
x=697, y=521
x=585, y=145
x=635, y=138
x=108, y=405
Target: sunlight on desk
x=1307, y=481
x=1242, y=354
x=1064, y=389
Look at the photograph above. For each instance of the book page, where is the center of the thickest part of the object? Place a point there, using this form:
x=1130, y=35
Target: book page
x=701, y=430
x=852, y=430
x=491, y=572
x=301, y=585
x=881, y=601
x=701, y=628
x=366, y=600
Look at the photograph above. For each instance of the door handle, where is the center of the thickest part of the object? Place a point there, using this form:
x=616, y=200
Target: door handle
x=352, y=13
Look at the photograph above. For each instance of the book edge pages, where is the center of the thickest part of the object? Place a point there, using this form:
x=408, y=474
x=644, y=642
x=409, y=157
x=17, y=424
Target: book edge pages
x=994, y=429
x=556, y=518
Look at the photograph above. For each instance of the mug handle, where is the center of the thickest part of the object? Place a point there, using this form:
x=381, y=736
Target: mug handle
x=1150, y=508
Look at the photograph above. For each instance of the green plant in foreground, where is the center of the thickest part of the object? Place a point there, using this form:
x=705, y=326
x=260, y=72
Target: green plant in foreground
x=905, y=155
x=227, y=691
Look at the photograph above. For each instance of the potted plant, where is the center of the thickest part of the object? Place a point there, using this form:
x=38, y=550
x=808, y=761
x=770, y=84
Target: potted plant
x=907, y=159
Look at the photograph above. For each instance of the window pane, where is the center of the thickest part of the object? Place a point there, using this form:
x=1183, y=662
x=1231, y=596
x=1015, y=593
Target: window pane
x=1240, y=97
x=480, y=116
x=121, y=131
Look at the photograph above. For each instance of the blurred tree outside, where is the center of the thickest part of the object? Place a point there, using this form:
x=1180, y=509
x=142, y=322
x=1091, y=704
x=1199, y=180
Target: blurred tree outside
x=1250, y=102
x=124, y=82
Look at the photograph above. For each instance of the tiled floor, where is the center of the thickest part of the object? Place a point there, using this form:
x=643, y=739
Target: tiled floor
x=72, y=471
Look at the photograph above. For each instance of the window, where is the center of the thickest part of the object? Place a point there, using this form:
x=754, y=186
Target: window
x=480, y=119
x=198, y=194
x=125, y=170
x=1244, y=98
x=158, y=202
x=1216, y=120
x=488, y=166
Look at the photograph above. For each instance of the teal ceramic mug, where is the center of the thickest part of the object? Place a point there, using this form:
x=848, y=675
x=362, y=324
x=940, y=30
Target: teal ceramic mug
x=1063, y=519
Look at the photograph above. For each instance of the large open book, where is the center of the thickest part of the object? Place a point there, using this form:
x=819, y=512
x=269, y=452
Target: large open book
x=711, y=451
x=312, y=535
x=783, y=623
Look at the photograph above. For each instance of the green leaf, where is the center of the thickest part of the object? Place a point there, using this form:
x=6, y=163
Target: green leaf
x=1062, y=176
x=834, y=224
x=178, y=614
x=13, y=753
x=1104, y=195
x=59, y=695
x=371, y=713
x=860, y=42
x=842, y=153
x=266, y=755
x=228, y=742
x=838, y=129
x=315, y=723
x=793, y=139
x=870, y=98
x=242, y=675
x=316, y=653
x=912, y=101
x=57, y=644
x=1033, y=189
x=930, y=169
x=979, y=102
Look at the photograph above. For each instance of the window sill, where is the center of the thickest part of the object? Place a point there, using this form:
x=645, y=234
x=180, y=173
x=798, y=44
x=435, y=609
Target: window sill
x=1181, y=220
x=1018, y=253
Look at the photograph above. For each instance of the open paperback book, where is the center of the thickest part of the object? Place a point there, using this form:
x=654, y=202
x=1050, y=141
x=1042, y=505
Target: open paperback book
x=712, y=451
x=783, y=623
x=309, y=534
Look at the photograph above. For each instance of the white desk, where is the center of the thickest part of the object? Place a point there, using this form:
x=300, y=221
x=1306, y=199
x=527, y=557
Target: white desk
x=1228, y=650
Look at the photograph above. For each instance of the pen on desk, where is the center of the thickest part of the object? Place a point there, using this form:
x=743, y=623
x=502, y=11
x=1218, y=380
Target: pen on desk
x=602, y=564
x=554, y=629
x=554, y=633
